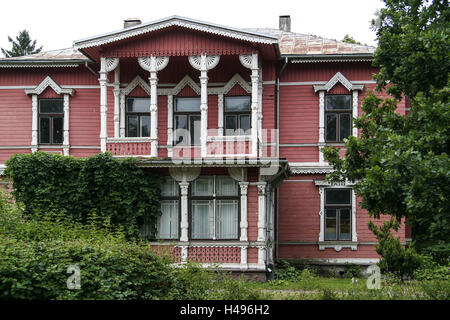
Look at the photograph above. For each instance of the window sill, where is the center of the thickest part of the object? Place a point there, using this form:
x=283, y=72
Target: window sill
x=229, y=138
x=129, y=139
x=338, y=245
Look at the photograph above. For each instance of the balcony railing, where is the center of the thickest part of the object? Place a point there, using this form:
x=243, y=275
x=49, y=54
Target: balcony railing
x=129, y=146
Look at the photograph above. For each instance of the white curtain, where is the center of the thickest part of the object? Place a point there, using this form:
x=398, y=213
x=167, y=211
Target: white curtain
x=226, y=186
x=202, y=219
x=227, y=219
x=167, y=225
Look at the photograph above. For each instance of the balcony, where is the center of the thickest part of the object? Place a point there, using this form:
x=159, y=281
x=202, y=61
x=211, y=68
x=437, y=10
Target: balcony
x=128, y=147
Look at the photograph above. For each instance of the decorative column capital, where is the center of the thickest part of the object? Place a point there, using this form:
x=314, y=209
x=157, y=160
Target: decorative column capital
x=152, y=63
x=262, y=189
x=184, y=187
x=204, y=62
x=244, y=188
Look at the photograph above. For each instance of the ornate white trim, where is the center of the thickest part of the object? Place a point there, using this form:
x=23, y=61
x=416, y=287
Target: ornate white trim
x=179, y=22
x=237, y=79
x=184, y=174
x=338, y=247
x=238, y=174
x=39, y=65
x=152, y=63
x=338, y=77
x=111, y=64
x=49, y=82
x=2, y=168
x=137, y=81
x=246, y=60
x=186, y=81
x=209, y=62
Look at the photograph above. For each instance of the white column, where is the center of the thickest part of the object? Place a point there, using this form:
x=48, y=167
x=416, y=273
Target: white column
x=122, y=115
x=220, y=114
x=244, y=265
x=106, y=65
x=153, y=65
x=354, y=205
x=251, y=62
x=355, y=112
x=184, y=224
x=261, y=211
x=170, y=125
x=66, y=125
x=244, y=219
x=34, y=123
x=261, y=257
x=184, y=253
x=322, y=215
x=321, y=143
x=116, y=92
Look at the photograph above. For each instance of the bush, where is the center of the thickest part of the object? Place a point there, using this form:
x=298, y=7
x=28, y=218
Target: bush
x=286, y=271
x=436, y=290
x=395, y=258
x=431, y=270
x=103, y=186
x=352, y=270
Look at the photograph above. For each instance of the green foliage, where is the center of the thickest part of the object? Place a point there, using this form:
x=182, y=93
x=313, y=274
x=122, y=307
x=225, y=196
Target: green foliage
x=394, y=257
x=287, y=272
x=400, y=165
x=21, y=46
x=352, y=270
x=99, y=188
x=328, y=294
x=431, y=270
x=350, y=39
x=436, y=290
x=413, y=46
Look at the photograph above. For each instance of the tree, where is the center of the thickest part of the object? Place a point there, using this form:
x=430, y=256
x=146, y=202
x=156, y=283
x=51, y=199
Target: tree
x=413, y=46
x=349, y=39
x=400, y=164
x=22, y=46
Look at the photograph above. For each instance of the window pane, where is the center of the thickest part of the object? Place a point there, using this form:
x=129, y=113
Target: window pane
x=230, y=125
x=168, y=221
x=226, y=186
x=344, y=126
x=338, y=102
x=194, y=129
x=138, y=105
x=237, y=104
x=331, y=127
x=244, y=123
x=169, y=188
x=187, y=104
x=202, y=219
x=145, y=126
x=44, y=130
x=338, y=196
x=58, y=130
x=203, y=186
x=330, y=224
x=51, y=106
x=344, y=224
x=227, y=219
x=132, y=128
x=181, y=132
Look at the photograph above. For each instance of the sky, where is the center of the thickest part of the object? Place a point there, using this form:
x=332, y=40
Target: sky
x=56, y=24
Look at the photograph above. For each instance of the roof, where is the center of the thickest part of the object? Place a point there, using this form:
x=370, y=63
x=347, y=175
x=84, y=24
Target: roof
x=297, y=46
x=56, y=58
x=315, y=49
x=240, y=34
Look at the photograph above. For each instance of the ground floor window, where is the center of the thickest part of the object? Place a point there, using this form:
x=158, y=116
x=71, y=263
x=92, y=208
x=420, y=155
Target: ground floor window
x=167, y=226
x=338, y=214
x=214, y=208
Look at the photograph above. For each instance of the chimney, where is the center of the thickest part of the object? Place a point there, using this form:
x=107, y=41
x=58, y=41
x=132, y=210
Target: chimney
x=130, y=22
x=285, y=23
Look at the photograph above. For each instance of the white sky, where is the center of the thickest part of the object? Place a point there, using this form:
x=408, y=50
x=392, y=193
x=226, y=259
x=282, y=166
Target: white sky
x=55, y=24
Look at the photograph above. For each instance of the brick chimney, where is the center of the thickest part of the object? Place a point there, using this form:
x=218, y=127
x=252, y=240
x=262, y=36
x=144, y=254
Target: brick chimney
x=130, y=22
x=285, y=23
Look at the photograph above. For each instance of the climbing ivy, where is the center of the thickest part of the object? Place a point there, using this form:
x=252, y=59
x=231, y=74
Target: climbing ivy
x=110, y=189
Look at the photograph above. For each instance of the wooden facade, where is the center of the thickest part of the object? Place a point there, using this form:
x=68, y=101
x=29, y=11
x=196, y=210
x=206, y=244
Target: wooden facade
x=281, y=213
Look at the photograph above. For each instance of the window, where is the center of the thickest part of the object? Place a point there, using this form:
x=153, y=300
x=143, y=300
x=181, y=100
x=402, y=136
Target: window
x=214, y=208
x=338, y=117
x=338, y=213
x=51, y=121
x=138, y=117
x=187, y=121
x=167, y=226
x=237, y=115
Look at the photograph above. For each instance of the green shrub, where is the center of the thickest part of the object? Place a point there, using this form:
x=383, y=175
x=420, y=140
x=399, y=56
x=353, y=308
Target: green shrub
x=352, y=270
x=100, y=185
x=431, y=270
x=395, y=258
x=436, y=290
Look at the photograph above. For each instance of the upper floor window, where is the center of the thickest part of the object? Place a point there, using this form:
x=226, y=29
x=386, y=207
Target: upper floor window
x=214, y=208
x=51, y=121
x=138, y=117
x=338, y=213
x=237, y=115
x=187, y=121
x=338, y=117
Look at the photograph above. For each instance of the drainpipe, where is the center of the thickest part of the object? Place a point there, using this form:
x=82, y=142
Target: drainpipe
x=278, y=147
x=90, y=69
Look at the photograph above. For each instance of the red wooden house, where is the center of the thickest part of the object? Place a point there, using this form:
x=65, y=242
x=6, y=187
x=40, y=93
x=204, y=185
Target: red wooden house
x=235, y=119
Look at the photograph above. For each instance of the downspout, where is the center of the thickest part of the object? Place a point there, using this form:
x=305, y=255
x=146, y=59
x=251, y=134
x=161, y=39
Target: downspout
x=278, y=147
x=90, y=69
